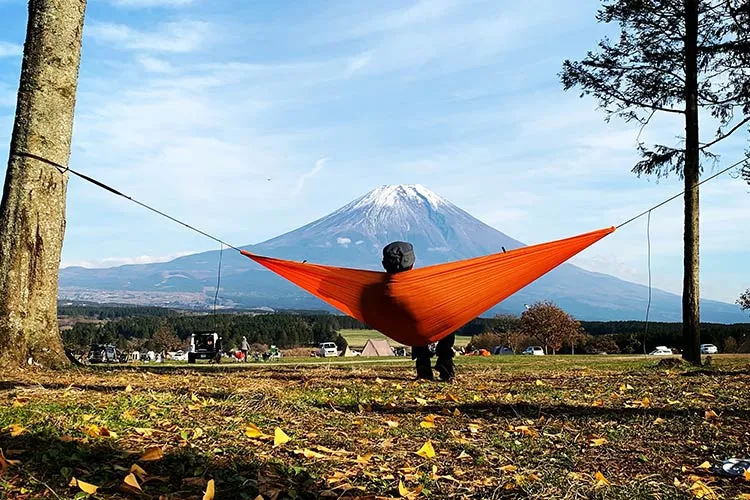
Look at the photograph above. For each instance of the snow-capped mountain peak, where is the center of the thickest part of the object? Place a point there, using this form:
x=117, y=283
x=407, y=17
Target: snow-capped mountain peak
x=389, y=196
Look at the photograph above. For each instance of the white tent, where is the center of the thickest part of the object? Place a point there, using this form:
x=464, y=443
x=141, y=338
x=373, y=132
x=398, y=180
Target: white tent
x=379, y=347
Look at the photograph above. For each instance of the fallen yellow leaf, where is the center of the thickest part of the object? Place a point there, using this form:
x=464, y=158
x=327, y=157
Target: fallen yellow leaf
x=131, y=482
x=426, y=451
x=16, y=429
x=197, y=432
x=508, y=468
x=700, y=490
x=705, y=465
x=406, y=493
x=598, y=441
x=427, y=425
x=659, y=420
x=129, y=388
x=600, y=480
x=391, y=423
x=539, y=382
x=309, y=453
x=209, y=494
x=85, y=487
x=710, y=414
x=746, y=474
x=4, y=462
x=253, y=432
x=138, y=471
x=280, y=437
x=364, y=459
x=473, y=428
x=463, y=456
x=152, y=453
x=421, y=401
x=598, y=402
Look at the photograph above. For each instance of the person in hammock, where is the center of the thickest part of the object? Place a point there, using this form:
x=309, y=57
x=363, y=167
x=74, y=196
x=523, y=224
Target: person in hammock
x=399, y=257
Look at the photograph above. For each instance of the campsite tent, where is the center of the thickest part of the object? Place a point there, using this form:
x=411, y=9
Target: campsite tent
x=379, y=347
x=347, y=352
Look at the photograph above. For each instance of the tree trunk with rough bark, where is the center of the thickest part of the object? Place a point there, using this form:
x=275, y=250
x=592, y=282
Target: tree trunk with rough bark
x=691, y=287
x=32, y=213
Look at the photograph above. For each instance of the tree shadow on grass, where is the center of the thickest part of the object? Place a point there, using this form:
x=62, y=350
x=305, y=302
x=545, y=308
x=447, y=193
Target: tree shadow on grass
x=49, y=462
x=482, y=409
x=9, y=385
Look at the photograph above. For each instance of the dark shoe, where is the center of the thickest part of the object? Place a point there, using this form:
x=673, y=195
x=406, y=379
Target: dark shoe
x=425, y=372
x=446, y=369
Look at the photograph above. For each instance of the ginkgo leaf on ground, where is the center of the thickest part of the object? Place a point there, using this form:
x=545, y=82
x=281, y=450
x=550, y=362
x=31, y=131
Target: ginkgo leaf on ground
x=600, y=480
x=209, y=494
x=309, y=453
x=253, y=432
x=746, y=474
x=407, y=493
x=280, y=437
x=197, y=433
x=131, y=483
x=152, y=453
x=138, y=471
x=598, y=441
x=84, y=486
x=508, y=468
x=705, y=465
x=700, y=490
x=426, y=451
x=16, y=429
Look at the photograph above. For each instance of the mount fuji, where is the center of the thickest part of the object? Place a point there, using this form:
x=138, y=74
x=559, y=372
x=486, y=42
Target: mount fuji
x=353, y=236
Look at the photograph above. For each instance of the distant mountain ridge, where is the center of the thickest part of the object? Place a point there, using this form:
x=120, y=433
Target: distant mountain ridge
x=353, y=236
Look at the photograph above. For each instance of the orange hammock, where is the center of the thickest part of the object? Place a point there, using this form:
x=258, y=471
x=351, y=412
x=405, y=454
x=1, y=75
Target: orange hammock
x=425, y=304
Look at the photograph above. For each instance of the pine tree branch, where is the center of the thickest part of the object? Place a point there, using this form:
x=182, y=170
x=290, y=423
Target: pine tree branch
x=724, y=136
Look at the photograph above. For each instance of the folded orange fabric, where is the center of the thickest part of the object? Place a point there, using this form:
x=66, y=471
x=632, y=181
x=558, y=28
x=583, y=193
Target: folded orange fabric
x=425, y=304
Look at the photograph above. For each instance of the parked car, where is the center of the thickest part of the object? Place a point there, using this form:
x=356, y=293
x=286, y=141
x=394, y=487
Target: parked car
x=328, y=349
x=534, y=350
x=204, y=345
x=709, y=349
x=498, y=350
x=103, y=353
x=661, y=351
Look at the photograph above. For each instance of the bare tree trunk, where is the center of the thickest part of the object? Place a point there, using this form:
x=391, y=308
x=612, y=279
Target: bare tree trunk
x=32, y=213
x=691, y=288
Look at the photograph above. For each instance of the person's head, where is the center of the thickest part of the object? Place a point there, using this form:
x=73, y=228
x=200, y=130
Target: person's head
x=398, y=256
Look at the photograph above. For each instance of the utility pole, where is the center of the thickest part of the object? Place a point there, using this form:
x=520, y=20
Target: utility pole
x=32, y=212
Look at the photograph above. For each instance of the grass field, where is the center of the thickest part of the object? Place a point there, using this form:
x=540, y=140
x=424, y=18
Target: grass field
x=507, y=427
x=358, y=338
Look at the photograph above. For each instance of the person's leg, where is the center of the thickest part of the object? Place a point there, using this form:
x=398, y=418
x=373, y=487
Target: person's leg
x=421, y=354
x=444, y=364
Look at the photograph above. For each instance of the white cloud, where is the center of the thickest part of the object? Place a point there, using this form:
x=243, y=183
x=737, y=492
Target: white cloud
x=154, y=65
x=8, y=49
x=151, y=3
x=312, y=173
x=176, y=37
x=358, y=63
x=121, y=261
x=343, y=241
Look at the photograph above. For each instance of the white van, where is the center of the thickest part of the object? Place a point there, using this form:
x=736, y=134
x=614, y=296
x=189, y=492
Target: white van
x=328, y=349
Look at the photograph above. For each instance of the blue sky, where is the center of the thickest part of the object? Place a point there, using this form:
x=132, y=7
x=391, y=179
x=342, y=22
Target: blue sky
x=191, y=105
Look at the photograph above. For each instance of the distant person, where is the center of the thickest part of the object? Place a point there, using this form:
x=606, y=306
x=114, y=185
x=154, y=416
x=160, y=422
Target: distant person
x=399, y=257
x=244, y=348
